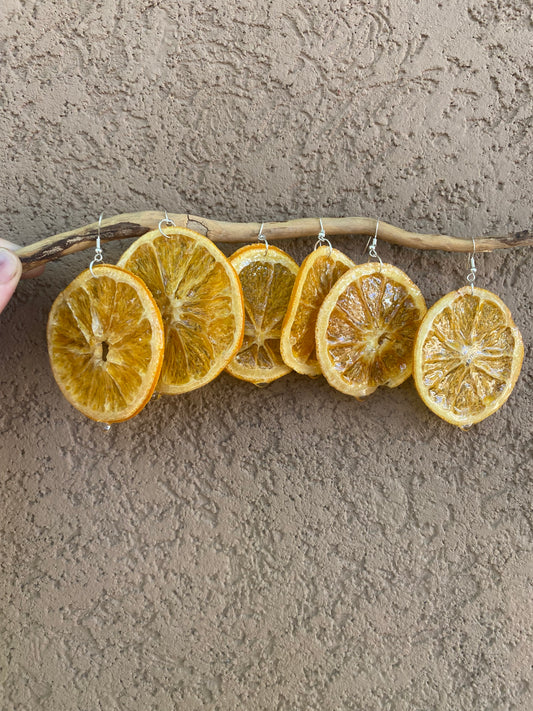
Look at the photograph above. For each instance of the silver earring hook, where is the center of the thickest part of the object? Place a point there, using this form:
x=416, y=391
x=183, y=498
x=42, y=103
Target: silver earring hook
x=98, y=253
x=372, y=241
x=165, y=221
x=471, y=276
x=261, y=238
x=322, y=239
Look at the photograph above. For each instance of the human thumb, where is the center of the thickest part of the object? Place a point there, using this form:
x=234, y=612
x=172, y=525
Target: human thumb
x=10, y=271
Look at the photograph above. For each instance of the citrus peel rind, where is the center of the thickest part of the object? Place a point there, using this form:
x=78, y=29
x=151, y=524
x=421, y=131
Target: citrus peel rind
x=317, y=274
x=467, y=357
x=105, y=343
x=366, y=328
x=267, y=278
x=200, y=298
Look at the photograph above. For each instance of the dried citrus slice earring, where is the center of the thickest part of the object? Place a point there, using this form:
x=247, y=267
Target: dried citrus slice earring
x=318, y=273
x=105, y=342
x=200, y=298
x=366, y=327
x=468, y=354
x=267, y=276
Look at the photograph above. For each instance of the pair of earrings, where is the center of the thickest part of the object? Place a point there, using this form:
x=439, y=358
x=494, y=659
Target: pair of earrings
x=169, y=317
x=367, y=325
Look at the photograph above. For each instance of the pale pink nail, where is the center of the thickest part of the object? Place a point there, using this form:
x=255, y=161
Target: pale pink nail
x=9, y=266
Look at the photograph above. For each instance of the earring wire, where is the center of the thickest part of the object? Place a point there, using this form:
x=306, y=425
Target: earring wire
x=372, y=252
x=261, y=238
x=322, y=239
x=98, y=252
x=166, y=221
x=471, y=276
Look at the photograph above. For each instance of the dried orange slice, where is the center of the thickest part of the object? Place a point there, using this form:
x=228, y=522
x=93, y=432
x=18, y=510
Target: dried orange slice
x=200, y=299
x=267, y=278
x=366, y=328
x=467, y=358
x=105, y=342
x=317, y=274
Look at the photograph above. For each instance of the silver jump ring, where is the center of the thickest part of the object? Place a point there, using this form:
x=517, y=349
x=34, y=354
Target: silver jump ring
x=322, y=239
x=166, y=221
x=98, y=252
x=261, y=238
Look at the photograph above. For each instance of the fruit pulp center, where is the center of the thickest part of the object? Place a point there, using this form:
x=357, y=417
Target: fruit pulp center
x=375, y=341
x=175, y=309
x=172, y=309
x=469, y=353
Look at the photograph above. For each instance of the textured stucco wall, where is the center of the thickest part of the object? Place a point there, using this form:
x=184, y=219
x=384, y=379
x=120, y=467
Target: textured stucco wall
x=281, y=548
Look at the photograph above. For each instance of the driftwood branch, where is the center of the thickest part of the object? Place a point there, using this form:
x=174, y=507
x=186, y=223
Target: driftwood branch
x=135, y=224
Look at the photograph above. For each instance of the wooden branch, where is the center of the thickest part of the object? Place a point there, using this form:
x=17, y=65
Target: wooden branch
x=135, y=224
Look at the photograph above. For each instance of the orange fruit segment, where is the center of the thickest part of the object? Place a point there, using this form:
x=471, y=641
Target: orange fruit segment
x=105, y=342
x=467, y=357
x=200, y=298
x=317, y=274
x=267, y=278
x=366, y=328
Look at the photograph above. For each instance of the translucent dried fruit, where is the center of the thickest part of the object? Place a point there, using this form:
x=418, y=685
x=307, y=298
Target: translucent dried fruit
x=105, y=342
x=200, y=298
x=468, y=355
x=318, y=273
x=366, y=329
x=267, y=278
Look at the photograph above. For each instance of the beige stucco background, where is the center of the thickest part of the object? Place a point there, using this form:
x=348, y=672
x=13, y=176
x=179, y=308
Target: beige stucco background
x=288, y=547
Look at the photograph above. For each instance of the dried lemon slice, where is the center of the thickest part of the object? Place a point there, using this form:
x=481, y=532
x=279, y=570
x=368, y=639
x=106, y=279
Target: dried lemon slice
x=366, y=329
x=467, y=358
x=200, y=298
x=267, y=278
x=105, y=342
x=317, y=274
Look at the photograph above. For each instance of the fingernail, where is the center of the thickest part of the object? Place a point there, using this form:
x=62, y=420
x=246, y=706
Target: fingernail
x=9, y=266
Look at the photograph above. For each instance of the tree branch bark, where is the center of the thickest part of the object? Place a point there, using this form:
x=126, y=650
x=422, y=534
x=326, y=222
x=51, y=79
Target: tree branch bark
x=134, y=224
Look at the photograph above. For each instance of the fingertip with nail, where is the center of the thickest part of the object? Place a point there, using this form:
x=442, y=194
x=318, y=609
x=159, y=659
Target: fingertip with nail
x=10, y=266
